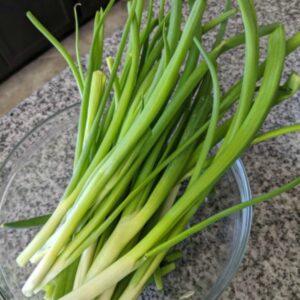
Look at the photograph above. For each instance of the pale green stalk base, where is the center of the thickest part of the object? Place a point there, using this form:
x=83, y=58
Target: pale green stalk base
x=84, y=264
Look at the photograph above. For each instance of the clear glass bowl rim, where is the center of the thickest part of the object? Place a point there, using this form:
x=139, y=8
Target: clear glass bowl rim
x=240, y=175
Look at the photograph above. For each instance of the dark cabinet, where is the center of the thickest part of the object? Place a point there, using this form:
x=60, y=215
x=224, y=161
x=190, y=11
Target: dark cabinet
x=3, y=67
x=20, y=42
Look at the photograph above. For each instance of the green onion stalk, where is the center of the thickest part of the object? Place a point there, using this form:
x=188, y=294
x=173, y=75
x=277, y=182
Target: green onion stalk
x=145, y=127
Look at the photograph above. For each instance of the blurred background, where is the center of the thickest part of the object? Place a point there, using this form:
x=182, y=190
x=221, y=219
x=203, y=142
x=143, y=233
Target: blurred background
x=27, y=60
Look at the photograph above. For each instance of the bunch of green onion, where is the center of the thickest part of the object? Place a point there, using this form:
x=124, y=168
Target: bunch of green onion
x=144, y=129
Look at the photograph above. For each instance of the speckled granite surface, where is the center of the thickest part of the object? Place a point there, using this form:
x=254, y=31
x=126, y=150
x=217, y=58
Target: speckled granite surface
x=270, y=269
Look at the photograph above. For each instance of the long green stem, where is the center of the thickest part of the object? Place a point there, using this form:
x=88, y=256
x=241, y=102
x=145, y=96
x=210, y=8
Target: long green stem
x=214, y=115
x=218, y=20
x=77, y=50
x=59, y=47
x=276, y=132
x=251, y=67
x=221, y=215
x=223, y=26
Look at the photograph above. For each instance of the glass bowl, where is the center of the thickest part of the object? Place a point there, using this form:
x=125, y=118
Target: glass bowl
x=34, y=176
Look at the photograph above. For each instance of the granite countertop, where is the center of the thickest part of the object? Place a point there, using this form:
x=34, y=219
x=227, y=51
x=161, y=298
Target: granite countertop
x=270, y=269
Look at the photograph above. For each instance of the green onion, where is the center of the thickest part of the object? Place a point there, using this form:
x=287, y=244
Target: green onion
x=27, y=223
x=143, y=129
